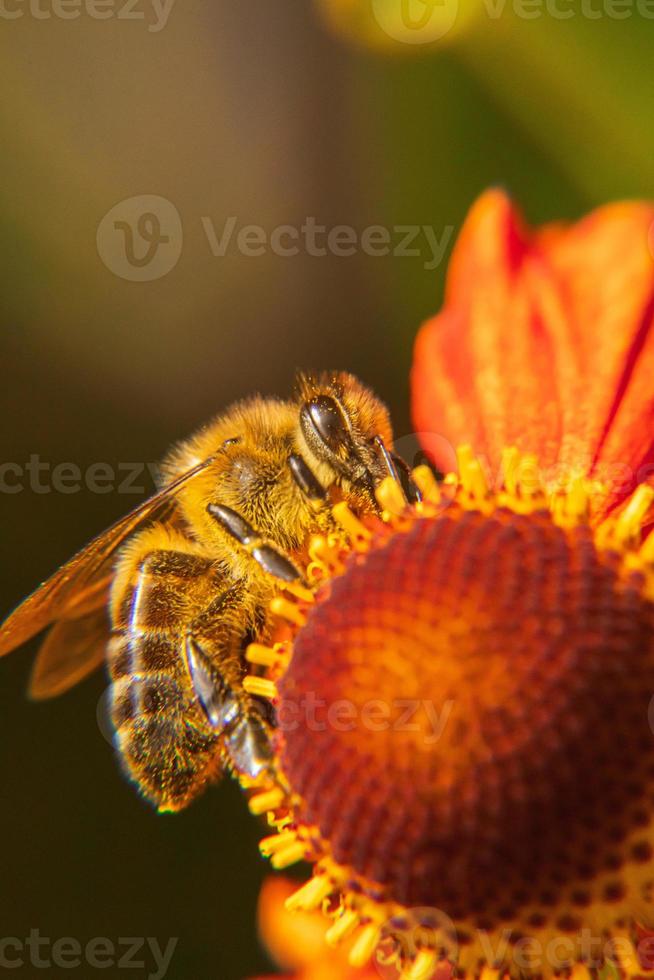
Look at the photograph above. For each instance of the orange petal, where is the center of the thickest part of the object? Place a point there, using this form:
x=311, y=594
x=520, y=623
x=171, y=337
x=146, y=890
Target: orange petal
x=545, y=342
x=606, y=265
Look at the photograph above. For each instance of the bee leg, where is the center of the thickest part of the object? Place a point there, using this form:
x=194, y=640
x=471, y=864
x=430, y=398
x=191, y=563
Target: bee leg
x=267, y=555
x=245, y=736
x=411, y=489
x=248, y=746
x=216, y=698
x=306, y=480
x=400, y=472
x=389, y=460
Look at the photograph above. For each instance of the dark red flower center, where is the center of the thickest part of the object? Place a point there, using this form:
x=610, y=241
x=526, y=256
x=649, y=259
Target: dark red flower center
x=466, y=718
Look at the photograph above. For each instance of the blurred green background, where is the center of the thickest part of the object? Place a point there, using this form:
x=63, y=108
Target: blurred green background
x=270, y=113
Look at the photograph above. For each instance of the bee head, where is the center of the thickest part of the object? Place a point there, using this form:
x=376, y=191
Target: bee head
x=341, y=424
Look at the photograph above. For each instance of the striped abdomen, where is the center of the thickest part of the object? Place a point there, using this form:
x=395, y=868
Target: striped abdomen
x=163, y=735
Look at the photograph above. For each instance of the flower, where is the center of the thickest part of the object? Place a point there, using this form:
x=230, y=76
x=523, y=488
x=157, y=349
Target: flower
x=465, y=748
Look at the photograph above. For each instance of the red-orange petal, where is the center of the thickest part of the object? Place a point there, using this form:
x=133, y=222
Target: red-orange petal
x=606, y=265
x=545, y=342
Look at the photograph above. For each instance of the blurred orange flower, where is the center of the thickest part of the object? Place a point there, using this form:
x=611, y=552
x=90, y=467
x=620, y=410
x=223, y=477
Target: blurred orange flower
x=477, y=792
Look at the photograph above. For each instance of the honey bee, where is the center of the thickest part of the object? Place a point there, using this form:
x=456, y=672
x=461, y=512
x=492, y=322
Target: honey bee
x=171, y=595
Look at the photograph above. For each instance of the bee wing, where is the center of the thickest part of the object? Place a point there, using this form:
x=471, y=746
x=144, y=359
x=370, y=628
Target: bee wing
x=68, y=593
x=72, y=649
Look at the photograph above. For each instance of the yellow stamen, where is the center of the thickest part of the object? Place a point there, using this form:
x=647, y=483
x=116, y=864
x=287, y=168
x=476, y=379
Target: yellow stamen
x=627, y=957
x=390, y=496
x=269, y=800
x=288, y=610
x=570, y=506
x=510, y=466
x=628, y=524
x=528, y=477
x=324, y=551
x=260, y=686
x=427, y=484
x=364, y=945
x=559, y=507
x=578, y=499
x=277, y=842
x=349, y=522
x=342, y=927
x=258, y=653
x=299, y=591
x=311, y=895
x=422, y=967
x=471, y=475
x=288, y=856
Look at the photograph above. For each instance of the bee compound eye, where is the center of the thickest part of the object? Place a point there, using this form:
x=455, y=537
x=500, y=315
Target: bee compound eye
x=326, y=419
